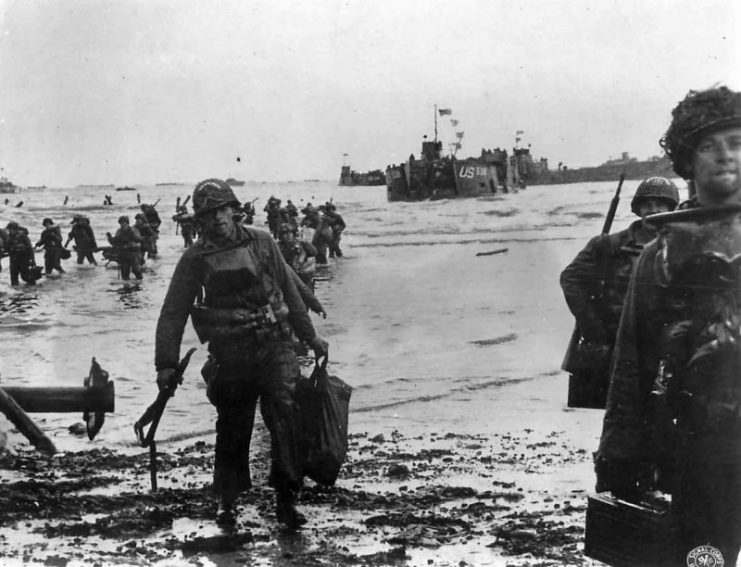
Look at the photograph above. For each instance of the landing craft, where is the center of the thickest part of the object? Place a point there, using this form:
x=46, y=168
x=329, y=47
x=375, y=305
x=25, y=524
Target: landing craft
x=434, y=176
x=349, y=177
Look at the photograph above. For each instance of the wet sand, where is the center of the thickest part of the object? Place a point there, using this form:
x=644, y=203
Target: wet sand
x=505, y=495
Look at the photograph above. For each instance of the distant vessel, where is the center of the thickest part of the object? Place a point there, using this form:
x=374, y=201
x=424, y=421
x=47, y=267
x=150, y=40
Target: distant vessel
x=7, y=186
x=167, y=184
x=538, y=172
x=125, y=188
x=350, y=177
x=234, y=182
x=434, y=176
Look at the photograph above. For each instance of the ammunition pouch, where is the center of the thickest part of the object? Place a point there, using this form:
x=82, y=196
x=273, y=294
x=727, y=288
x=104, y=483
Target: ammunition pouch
x=268, y=322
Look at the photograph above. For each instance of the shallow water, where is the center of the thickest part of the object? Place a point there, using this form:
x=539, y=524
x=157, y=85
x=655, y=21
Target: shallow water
x=426, y=331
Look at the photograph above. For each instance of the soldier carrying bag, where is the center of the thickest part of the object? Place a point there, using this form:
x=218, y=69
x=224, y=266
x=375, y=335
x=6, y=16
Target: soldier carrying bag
x=323, y=403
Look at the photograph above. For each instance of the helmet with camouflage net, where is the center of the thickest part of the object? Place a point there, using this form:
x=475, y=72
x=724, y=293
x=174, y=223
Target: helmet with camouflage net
x=656, y=188
x=699, y=113
x=212, y=194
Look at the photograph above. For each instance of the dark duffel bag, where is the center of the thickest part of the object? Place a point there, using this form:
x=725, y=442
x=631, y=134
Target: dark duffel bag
x=323, y=404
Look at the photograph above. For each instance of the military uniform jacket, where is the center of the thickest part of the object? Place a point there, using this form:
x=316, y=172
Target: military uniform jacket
x=336, y=221
x=653, y=330
x=18, y=243
x=126, y=238
x=50, y=238
x=625, y=434
x=83, y=235
x=238, y=275
x=594, y=284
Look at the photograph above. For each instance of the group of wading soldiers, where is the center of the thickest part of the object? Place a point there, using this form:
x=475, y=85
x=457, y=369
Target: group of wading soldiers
x=658, y=337
x=129, y=246
x=132, y=244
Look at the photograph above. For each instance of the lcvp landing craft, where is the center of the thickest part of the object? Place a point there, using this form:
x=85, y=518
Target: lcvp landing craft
x=434, y=176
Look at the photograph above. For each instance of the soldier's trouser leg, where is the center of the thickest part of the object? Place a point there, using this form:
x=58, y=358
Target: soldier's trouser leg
x=57, y=261
x=15, y=270
x=48, y=262
x=235, y=399
x=80, y=258
x=707, y=506
x=125, y=266
x=321, y=252
x=278, y=371
x=334, y=247
x=136, y=267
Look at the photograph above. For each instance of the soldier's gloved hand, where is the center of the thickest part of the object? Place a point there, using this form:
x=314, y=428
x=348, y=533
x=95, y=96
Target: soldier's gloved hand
x=163, y=378
x=627, y=480
x=319, y=346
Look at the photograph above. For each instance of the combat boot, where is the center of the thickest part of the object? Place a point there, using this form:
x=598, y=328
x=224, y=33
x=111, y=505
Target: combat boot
x=286, y=512
x=225, y=516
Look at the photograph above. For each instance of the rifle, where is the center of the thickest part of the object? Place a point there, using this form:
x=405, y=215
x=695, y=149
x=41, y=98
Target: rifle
x=613, y=206
x=577, y=398
x=154, y=413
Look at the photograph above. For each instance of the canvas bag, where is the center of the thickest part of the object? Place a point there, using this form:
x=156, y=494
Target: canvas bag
x=322, y=403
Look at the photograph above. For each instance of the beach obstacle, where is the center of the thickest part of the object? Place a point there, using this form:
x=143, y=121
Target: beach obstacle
x=95, y=398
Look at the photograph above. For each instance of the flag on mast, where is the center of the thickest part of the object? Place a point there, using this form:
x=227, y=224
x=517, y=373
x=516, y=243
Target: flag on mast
x=444, y=111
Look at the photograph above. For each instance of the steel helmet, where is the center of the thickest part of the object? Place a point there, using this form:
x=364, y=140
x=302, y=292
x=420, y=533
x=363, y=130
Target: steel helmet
x=657, y=188
x=699, y=113
x=211, y=194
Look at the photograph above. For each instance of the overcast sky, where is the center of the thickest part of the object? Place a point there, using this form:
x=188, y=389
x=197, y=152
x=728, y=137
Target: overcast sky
x=154, y=91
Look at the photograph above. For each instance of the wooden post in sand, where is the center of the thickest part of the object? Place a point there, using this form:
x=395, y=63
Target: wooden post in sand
x=25, y=424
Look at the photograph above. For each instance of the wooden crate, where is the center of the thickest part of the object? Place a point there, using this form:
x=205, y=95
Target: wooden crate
x=623, y=534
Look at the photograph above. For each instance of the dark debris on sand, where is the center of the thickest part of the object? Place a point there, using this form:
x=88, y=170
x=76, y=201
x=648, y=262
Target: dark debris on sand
x=398, y=500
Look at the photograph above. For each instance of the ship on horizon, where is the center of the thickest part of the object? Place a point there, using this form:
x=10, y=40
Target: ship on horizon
x=349, y=177
x=7, y=186
x=539, y=173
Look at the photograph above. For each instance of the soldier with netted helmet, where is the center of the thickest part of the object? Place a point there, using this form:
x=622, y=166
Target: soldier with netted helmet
x=594, y=285
x=242, y=301
x=672, y=420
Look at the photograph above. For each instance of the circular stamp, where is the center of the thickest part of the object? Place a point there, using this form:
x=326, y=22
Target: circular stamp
x=705, y=556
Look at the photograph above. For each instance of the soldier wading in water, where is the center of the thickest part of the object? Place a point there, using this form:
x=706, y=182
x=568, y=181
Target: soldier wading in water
x=673, y=417
x=249, y=308
x=594, y=285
